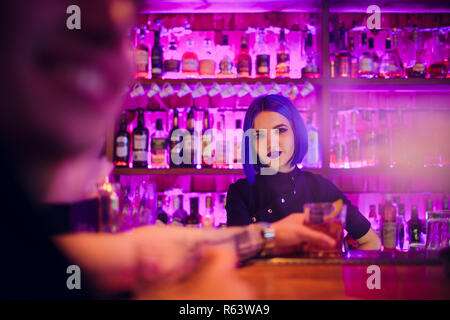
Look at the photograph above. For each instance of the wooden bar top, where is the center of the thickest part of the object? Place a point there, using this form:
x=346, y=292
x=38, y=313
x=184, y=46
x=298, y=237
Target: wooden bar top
x=286, y=280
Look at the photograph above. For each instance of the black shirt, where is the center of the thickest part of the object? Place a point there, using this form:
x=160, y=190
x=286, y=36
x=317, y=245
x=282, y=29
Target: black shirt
x=31, y=266
x=273, y=197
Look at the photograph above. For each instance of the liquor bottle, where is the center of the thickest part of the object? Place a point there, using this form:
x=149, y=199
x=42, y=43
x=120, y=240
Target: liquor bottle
x=226, y=56
x=383, y=139
x=311, y=159
x=390, y=65
x=414, y=227
x=208, y=216
x=161, y=215
x=142, y=56
x=375, y=58
x=337, y=154
x=374, y=220
x=343, y=56
x=389, y=224
x=437, y=67
x=353, y=58
x=333, y=67
x=189, y=61
x=354, y=143
x=125, y=212
x=365, y=66
x=262, y=57
x=172, y=62
x=140, y=142
x=401, y=223
x=122, y=144
x=157, y=58
x=429, y=206
x=146, y=214
x=207, y=65
x=220, y=156
x=311, y=69
x=159, y=152
x=207, y=142
x=396, y=50
x=237, y=146
x=244, y=61
x=179, y=216
x=283, y=58
x=417, y=68
x=445, y=203
x=369, y=146
x=175, y=142
x=193, y=220
x=189, y=141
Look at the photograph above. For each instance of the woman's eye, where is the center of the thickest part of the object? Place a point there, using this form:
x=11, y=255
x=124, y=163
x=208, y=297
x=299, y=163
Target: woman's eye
x=281, y=130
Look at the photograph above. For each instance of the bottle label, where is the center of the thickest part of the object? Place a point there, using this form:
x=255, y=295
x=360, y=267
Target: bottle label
x=207, y=67
x=226, y=65
x=344, y=66
x=418, y=67
x=366, y=65
x=141, y=60
x=158, y=151
x=140, y=156
x=283, y=63
x=140, y=142
x=157, y=63
x=243, y=67
x=389, y=236
x=262, y=64
x=172, y=65
x=121, y=147
x=190, y=66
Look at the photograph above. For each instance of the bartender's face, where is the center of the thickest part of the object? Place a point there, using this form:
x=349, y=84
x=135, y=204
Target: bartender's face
x=269, y=127
x=65, y=86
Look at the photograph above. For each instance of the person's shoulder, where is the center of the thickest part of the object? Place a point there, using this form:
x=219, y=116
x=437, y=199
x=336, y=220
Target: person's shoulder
x=240, y=185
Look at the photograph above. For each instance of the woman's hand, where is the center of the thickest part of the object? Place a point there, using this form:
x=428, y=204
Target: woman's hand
x=291, y=232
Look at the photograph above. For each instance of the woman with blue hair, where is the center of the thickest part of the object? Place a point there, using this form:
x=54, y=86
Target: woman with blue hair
x=275, y=141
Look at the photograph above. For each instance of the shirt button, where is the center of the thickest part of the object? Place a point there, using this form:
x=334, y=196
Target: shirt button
x=253, y=219
x=269, y=211
x=282, y=200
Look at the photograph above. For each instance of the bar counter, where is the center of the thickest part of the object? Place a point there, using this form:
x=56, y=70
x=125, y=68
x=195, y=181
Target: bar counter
x=407, y=276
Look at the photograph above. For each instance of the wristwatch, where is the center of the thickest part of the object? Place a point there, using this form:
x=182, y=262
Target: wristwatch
x=268, y=235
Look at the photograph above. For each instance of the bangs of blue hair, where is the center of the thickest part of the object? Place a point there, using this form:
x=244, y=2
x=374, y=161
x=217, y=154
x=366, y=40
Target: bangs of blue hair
x=286, y=108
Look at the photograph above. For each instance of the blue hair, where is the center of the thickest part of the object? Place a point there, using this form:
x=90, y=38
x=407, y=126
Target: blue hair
x=286, y=108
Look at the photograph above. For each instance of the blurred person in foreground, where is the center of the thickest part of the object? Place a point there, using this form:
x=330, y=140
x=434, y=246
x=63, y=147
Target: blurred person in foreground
x=61, y=89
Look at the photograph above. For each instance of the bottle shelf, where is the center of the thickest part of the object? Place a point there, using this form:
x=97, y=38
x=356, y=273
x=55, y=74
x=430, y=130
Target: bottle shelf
x=221, y=81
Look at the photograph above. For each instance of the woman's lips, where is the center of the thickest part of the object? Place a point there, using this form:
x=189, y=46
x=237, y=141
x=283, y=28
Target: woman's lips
x=274, y=154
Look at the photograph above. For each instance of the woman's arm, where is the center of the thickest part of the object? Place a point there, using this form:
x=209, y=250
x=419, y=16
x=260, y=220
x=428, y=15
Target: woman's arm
x=369, y=241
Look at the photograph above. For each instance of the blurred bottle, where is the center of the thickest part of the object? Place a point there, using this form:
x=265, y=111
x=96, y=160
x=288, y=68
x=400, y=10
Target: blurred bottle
x=343, y=62
x=389, y=224
x=207, y=142
x=365, y=66
x=126, y=210
x=189, y=141
x=416, y=68
x=244, y=61
x=338, y=152
x=172, y=62
x=353, y=58
x=226, y=58
x=401, y=223
x=369, y=145
x=375, y=57
x=354, y=143
x=189, y=61
x=311, y=69
x=207, y=65
x=157, y=58
x=159, y=153
x=237, y=145
x=333, y=67
x=374, y=220
x=161, y=216
x=140, y=142
x=122, y=144
x=390, y=64
x=396, y=50
x=142, y=56
x=312, y=158
x=445, y=203
x=437, y=67
x=383, y=139
x=208, y=216
x=414, y=227
x=179, y=216
x=147, y=205
x=262, y=56
x=193, y=220
x=221, y=152
x=283, y=58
